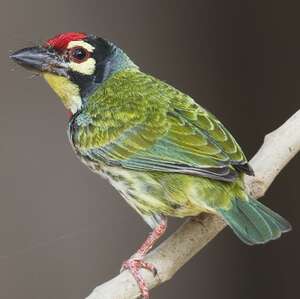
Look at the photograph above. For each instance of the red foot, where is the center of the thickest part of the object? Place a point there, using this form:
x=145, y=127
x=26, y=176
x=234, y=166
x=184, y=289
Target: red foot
x=134, y=265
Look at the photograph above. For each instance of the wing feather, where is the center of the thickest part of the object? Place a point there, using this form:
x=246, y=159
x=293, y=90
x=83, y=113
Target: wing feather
x=140, y=123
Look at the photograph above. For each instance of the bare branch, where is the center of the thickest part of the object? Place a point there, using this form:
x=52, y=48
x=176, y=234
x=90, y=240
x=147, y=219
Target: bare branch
x=278, y=149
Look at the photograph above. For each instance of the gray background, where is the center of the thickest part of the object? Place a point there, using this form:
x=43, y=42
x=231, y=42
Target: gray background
x=64, y=230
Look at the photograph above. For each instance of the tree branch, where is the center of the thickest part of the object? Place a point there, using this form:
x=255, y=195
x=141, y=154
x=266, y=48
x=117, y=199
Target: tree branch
x=278, y=149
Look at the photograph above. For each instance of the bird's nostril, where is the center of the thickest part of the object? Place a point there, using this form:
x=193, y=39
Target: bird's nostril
x=40, y=59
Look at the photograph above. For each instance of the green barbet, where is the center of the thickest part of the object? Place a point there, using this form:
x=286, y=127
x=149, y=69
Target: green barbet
x=163, y=152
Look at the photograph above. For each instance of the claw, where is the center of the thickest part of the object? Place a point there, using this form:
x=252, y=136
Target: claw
x=149, y=267
x=136, y=262
x=134, y=265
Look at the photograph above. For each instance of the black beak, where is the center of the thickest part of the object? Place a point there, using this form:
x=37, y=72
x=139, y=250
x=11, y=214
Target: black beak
x=41, y=59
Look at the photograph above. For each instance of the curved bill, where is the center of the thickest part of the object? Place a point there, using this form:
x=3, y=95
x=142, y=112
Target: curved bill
x=41, y=59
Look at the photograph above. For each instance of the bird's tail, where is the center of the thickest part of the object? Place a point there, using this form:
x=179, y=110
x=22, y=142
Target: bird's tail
x=253, y=222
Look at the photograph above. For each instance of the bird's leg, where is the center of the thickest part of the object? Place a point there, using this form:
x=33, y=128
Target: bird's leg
x=136, y=262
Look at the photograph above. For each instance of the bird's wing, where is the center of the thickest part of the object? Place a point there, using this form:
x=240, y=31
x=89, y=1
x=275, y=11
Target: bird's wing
x=209, y=125
x=150, y=126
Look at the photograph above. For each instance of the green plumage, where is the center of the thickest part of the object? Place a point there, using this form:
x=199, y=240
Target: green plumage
x=168, y=156
x=162, y=151
x=253, y=222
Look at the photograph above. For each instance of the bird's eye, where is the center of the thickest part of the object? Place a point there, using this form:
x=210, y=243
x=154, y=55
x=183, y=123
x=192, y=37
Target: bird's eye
x=79, y=54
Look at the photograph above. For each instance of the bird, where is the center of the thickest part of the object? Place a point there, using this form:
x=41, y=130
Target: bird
x=164, y=153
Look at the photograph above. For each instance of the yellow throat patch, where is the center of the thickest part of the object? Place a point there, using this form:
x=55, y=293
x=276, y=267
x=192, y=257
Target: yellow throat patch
x=66, y=90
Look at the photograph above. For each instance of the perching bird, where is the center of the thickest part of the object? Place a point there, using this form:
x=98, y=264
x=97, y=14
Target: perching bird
x=163, y=152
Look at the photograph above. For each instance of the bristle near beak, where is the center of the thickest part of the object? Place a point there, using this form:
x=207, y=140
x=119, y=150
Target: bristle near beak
x=40, y=59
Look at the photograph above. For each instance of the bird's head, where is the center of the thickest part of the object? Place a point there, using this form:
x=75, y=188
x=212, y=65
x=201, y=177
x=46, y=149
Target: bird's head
x=74, y=64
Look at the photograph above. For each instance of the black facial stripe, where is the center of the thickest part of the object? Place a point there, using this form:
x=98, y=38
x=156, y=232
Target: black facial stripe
x=102, y=53
x=87, y=83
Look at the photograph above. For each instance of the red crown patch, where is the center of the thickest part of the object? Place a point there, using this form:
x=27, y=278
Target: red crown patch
x=61, y=41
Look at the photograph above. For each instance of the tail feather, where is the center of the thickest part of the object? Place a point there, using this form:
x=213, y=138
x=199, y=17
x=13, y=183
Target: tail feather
x=253, y=222
x=283, y=224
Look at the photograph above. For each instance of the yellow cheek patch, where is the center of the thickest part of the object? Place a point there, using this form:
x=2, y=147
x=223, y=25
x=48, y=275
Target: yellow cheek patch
x=87, y=68
x=66, y=90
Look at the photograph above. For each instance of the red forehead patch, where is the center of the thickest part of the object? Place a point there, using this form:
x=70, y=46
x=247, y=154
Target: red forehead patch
x=61, y=41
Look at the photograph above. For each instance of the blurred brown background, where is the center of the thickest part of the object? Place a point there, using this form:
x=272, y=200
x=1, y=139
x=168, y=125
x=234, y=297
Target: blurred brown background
x=64, y=230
